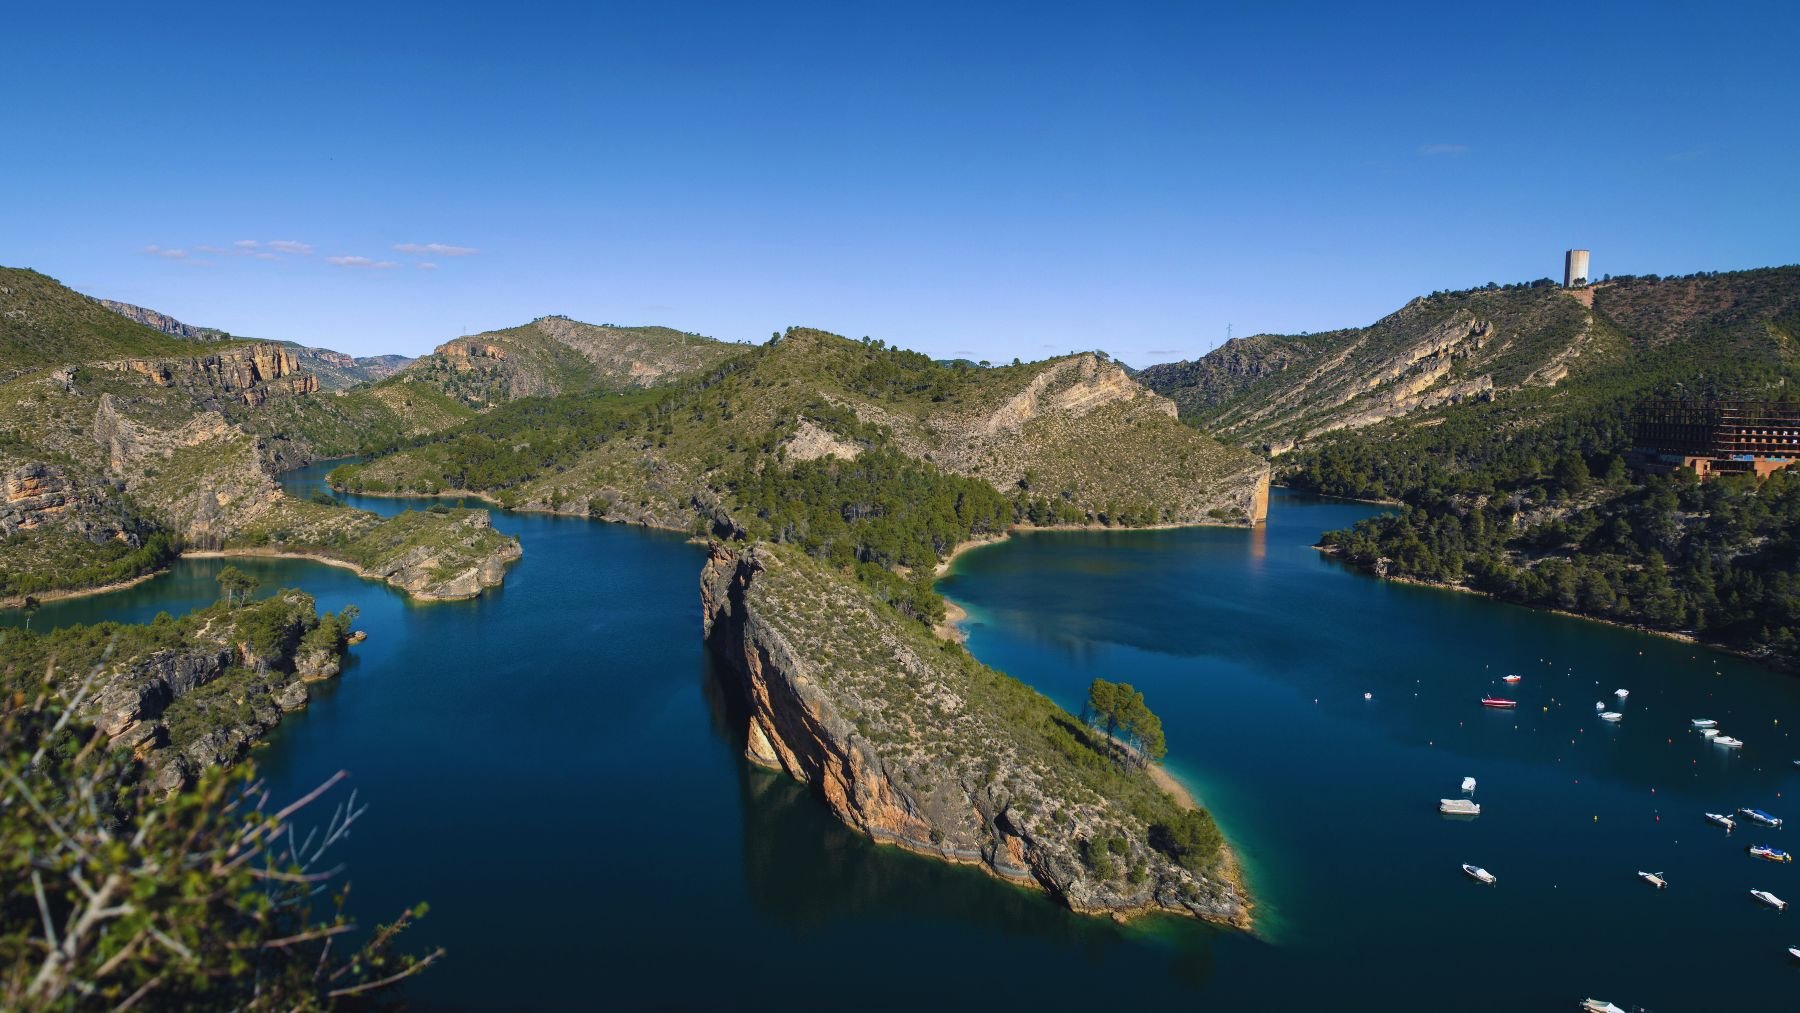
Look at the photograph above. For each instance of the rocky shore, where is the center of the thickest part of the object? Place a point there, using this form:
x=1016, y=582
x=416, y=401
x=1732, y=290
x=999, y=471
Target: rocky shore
x=908, y=739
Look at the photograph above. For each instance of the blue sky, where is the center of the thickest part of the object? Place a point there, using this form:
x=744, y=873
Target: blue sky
x=987, y=180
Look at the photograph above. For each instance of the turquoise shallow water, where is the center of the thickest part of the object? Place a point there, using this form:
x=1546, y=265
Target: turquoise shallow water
x=556, y=768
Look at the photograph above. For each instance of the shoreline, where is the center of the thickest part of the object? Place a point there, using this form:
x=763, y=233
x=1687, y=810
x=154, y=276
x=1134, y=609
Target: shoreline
x=1678, y=637
x=18, y=601
x=490, y=501
x=342, y=564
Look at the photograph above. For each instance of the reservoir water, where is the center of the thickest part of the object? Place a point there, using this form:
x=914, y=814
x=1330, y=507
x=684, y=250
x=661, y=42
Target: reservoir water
x=556, y=768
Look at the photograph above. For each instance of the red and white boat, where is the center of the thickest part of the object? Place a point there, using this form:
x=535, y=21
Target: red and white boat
x=1511, y=678
x=1494, y=701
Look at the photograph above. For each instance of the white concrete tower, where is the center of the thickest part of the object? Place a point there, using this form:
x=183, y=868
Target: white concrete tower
x=1575, y=267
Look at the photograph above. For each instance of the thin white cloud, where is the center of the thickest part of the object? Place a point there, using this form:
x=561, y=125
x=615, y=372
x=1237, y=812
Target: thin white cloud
x=427, y=266
x=365, y=262
x=436, y=250
x=290, y=246
x=158, y=251
x=1442, y=150
x=1163, y=351
x=246, y=244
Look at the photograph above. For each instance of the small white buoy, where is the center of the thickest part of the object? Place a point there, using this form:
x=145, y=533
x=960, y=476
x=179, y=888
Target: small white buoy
x=1368, y=696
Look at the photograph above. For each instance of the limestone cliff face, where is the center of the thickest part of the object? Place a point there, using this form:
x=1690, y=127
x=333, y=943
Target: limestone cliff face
x=251, y=373
x=141, y=703
x=963, y=789
x=162, y=322
x=34, y=494
x=1278, y=391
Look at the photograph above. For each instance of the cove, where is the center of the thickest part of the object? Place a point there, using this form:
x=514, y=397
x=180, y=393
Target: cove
x=557, y=769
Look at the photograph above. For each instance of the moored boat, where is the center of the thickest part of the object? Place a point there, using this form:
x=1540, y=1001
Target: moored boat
x=1511, y=678
x=1705, y=723
x=1728, y=742
x=1709, y=732
x=1794, y=951
x=1468, y=784
x=1654, y=879
x=1459, y=807
x=1768, y=854
x=1478, y=873
x=1495, y=701
x=1621, y=693
x=1599, y=1006
x=1766, y=897
x=1610, y=715
x=1722, y=820
x=1758, y=816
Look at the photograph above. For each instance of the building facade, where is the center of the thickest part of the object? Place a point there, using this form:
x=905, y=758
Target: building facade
x=1717, y=437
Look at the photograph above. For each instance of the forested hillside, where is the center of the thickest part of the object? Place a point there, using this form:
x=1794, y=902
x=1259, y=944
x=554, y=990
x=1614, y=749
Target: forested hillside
x=1069, y=440
x=1527, y=495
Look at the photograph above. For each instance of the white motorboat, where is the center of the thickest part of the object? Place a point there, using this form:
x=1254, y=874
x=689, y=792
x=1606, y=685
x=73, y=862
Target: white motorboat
x=1763, y=895
x=1610, y=715
x=1599, y=1006
x=1621, y=693
x=1709, y=733
x=1705, y=723
x=1728, y=742
x=1459, y=807
x=1599, y=705
x=1794, y=951
x=1468, y=784
x=1654, y=879
x=1478, y=873
x=1722, y=820
x=1759, y=816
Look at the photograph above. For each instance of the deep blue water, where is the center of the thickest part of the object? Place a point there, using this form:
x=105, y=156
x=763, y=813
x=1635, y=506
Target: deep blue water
x=556, y=768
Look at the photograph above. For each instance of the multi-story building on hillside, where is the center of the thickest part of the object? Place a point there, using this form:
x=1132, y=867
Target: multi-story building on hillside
x=1718, y=437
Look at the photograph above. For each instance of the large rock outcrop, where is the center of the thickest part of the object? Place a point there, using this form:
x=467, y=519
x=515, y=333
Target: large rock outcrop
x=899, y=735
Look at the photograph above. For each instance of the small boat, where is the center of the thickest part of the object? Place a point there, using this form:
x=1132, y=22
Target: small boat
x=1768, y=854
x=1621, y=693
x=1600, y=1006
x=1477, y=872
x=1709, y=733
x=1763, y=895
x=1511, y=678
x=1468, y=784
x=1654, y=879
x=1728, y=742
x=1722, y=820
x=1494, y=701
x=1610, y=715
x=1459, y=807
x=1705, y=723
x=1599, y=705
x=1758, y=816
x=1794, y=951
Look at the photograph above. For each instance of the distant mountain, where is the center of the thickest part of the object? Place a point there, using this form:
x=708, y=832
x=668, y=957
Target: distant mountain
x=163, y=322
x=556, y=355
x=1539, y=351
x=1279, y=389
x=1073, y=438
x=336, y=371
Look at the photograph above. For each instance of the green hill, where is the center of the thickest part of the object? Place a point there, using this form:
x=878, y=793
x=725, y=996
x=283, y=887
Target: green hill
x=43, y=323
x=556, y=355
x=1069, y=440
x=111, y=464
x=1523, y=491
